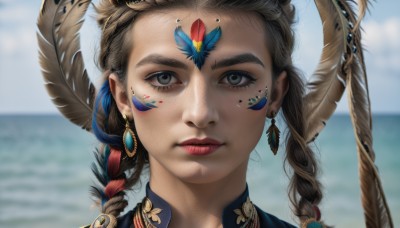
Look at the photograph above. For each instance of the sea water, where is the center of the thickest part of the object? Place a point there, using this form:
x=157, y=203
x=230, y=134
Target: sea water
x=45, y=172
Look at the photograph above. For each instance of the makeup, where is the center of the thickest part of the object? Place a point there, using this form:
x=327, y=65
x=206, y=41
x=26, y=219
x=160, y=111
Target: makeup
x=257, y=102
x=199, y=44
x=144, y=103
x=200, y=147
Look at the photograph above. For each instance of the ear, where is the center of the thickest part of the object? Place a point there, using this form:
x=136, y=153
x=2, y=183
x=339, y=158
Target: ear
x=120, y=95
x=279, y=89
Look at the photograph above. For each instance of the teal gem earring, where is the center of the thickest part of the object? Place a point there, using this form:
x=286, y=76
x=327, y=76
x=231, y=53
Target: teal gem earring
x=273, y=136
x=129, y=138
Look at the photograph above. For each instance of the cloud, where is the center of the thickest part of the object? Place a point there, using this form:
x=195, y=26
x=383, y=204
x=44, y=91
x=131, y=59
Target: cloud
x=382, y=41
x=16, y=35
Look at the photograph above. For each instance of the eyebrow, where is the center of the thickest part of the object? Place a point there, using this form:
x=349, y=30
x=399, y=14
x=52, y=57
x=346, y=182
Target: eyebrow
x=161, y=60
x=242, y=58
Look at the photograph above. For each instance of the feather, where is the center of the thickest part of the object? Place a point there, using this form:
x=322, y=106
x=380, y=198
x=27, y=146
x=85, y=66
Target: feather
x=184, y=42
x=376, y=210
x=198, y=46
x=327, y=84
x=212, y=38
x=342, y=64
x=197, y=33
x=273, y=137
x=259, y=105
x=142, y=106
x=65, y=76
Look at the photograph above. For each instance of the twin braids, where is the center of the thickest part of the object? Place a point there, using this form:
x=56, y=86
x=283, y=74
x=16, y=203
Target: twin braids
x=117, y=173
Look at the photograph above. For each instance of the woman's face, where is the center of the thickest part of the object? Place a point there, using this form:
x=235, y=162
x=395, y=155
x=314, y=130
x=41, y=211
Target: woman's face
x=172, y=99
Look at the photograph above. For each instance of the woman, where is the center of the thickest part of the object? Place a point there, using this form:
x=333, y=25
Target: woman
x=186, y=90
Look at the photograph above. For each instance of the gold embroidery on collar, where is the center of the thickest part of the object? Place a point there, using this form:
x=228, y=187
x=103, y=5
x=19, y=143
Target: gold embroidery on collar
x=150, y=213
x=247, y=214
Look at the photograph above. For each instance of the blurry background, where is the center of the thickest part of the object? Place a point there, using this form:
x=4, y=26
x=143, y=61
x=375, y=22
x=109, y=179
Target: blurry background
x=45, y=160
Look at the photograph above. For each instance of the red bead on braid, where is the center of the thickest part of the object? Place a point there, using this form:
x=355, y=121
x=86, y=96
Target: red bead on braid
x=114, y=161
x=317, y=212
x=114, y=187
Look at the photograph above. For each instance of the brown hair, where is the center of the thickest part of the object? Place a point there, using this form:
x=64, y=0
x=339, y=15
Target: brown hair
x=116, y=19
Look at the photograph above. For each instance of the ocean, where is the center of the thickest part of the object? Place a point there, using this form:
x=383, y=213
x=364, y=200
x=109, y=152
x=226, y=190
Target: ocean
x=45, y=172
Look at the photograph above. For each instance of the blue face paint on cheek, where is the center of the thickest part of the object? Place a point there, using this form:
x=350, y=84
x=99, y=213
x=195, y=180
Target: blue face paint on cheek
x=259, y=105
x=258, y=102
x=142, y=104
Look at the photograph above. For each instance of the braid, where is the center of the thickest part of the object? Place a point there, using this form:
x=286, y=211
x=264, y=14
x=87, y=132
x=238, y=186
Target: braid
x=112, y=165
x=304, y=189
x=114, y=171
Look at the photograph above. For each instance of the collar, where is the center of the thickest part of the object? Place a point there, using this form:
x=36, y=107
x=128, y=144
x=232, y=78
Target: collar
x=234, y=215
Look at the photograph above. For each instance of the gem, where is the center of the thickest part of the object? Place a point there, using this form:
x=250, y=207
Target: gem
x=314, y=224
x=129, y=141
x=345, y=14
x=349, y=37
x=354, y=49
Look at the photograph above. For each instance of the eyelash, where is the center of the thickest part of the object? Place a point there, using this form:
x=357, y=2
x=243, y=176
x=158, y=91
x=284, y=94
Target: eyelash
x=243, y=74
x=154, y=76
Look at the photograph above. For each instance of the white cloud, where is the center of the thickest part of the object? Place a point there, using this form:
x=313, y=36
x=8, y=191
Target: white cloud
x=382, y=41
x=17, y=34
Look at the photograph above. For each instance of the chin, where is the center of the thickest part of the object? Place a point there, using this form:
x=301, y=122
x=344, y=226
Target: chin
x=198, y=173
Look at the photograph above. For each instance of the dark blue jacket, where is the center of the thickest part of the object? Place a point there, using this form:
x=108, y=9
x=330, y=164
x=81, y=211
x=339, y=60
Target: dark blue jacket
x=229, y=217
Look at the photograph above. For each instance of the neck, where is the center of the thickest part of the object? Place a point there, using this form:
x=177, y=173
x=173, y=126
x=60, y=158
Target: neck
x=197, y=204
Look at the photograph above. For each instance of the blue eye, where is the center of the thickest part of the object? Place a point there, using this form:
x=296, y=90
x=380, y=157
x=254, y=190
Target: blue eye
x=237, y=79
x=162, y=80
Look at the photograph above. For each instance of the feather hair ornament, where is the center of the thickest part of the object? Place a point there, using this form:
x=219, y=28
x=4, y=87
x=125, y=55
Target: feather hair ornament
x=63, y=69
x=198, y=45
x=342, y=64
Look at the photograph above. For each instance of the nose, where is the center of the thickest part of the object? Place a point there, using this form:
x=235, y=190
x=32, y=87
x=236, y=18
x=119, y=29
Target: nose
x=200, y=109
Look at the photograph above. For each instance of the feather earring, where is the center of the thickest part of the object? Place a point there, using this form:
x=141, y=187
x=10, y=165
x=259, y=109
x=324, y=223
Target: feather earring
x=273, y=136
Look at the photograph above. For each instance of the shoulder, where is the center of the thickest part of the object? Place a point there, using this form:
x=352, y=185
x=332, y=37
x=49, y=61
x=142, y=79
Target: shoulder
x=268, y=220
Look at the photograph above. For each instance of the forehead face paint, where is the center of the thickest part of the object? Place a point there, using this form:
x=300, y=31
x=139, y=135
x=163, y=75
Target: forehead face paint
x=198, y=45
x=144, y=103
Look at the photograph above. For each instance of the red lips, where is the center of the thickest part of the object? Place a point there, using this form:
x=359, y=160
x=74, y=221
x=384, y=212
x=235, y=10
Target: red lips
x=200, y=146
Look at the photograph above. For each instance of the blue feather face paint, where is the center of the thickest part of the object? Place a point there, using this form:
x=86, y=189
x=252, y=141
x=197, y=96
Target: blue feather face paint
x=145, y=103
x=198, y=45
x=257, y=102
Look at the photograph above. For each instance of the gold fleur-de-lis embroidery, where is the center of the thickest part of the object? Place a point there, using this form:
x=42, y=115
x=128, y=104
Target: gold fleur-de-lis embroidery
x=150, y=212
x=245, y=213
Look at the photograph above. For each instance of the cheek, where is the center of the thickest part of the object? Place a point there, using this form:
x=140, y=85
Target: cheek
x=245, y=127
x=153, y=126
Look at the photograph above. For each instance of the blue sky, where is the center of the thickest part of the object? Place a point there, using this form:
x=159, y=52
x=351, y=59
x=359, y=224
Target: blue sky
x=21, y=83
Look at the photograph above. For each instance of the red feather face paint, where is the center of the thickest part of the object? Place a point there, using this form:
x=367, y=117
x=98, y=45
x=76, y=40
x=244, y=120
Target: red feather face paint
x=197, y=33
x=199, y=44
